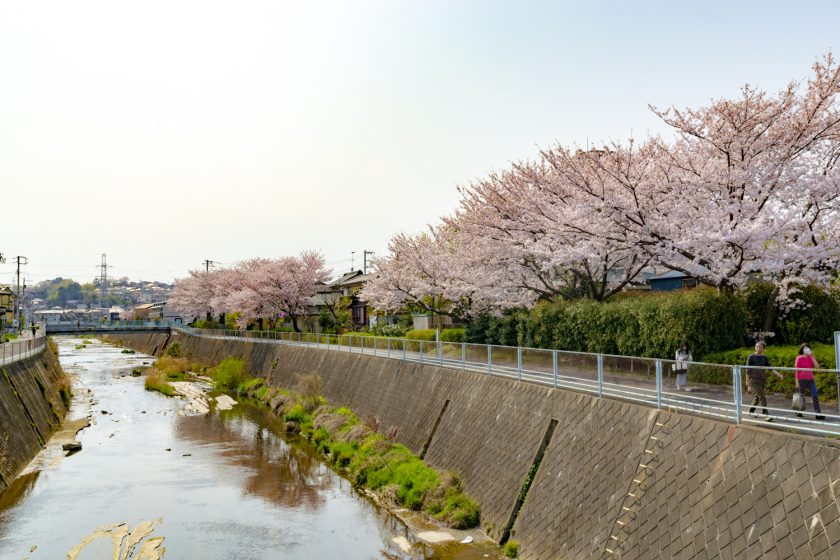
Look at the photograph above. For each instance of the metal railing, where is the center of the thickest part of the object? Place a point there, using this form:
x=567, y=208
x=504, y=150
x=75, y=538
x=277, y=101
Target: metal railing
x=715, y=390
x=87, y=326
x=20, y=349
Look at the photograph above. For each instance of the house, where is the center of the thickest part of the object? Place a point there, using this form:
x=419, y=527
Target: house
x=349, y=285
x=672, y=280
x=149, y=311
x=7, y=307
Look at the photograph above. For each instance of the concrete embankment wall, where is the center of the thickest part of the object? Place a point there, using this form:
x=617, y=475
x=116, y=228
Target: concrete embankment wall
x=616, y=480
x=30, y=410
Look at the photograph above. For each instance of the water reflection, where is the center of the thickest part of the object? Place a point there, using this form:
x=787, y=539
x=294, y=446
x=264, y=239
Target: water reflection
x=271, y=469
x=17, y=491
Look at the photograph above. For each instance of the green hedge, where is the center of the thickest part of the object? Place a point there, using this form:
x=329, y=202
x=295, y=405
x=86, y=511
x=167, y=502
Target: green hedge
x=452, y=335
x=651, y=325
x=779, y=356
x=421, y=334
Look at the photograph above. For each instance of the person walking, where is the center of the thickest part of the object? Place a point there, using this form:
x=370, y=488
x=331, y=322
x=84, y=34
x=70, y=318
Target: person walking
x=805, y=365
x=757, y=378
x=682, y=358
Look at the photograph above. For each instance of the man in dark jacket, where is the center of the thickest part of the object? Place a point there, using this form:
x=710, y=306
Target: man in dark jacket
x=757, y=378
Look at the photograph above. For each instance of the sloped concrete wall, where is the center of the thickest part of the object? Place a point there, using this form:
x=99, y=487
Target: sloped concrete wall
x=30, y=410
x=617, y=480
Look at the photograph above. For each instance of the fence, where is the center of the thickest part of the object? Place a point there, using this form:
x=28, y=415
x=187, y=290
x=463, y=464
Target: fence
x=714, y=390
x=17, y=350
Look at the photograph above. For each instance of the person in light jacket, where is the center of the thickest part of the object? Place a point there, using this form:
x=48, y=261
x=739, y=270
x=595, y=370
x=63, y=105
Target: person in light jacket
x=682, y=358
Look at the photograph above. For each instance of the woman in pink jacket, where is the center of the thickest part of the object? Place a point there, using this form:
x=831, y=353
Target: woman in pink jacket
x=805, y=365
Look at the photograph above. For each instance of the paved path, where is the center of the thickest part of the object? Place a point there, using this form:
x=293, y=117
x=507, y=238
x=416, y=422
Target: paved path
x=638, y=385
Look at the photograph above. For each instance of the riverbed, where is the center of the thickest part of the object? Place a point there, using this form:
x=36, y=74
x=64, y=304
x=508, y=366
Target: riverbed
x=152, y=483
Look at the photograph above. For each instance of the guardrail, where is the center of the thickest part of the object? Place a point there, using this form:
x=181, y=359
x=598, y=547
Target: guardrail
x=16, y=350
x=646, y=381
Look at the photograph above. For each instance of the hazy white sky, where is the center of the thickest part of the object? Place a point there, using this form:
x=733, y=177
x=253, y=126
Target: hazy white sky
x=164, y=133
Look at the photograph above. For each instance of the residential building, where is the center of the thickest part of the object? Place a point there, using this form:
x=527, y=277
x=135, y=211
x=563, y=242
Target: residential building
x=349, y=285
x=149, y=311
x=7, y=306
x=672, y=280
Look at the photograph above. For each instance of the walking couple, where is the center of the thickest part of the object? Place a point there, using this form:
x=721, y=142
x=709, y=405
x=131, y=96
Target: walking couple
x=805, y=365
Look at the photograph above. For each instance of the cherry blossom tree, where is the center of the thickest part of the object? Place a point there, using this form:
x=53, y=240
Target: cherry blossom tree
x=192, y=295
x=254, y=288
x=441, y=271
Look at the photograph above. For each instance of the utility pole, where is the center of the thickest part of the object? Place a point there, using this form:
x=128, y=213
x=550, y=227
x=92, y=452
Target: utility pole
x=352, y=260
x=103, y=284
x=19, y=260
x=364, y=269
x=207, y=264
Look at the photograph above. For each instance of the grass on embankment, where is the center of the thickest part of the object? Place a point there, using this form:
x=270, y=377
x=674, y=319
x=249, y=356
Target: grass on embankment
x=166, y=369
x=368, y=458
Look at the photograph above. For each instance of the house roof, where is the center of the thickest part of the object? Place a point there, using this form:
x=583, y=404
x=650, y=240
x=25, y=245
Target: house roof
x=671, y=274
x=351, y=278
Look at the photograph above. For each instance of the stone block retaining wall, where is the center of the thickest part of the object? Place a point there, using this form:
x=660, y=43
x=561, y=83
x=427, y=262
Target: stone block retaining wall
x=30, y=410
x=617, y=480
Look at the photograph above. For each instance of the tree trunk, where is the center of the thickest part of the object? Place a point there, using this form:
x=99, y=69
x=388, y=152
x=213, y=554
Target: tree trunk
x=770, y=311
x=294, y=322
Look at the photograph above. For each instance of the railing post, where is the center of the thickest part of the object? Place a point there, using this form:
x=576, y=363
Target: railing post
x=837, y=365
x=489, y=360
x=421, y=352
x=519, y=362
x=374, y=346
x=404, y=345
x=736, y=384
x=464, y=356
x=554, y=365
x=600, y=375
x=658, y=383
x=388, y=353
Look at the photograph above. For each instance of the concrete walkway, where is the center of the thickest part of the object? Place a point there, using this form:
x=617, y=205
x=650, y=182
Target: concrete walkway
x=625, y=378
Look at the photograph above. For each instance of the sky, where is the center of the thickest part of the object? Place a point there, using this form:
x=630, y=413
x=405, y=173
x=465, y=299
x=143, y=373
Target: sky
x=166, y=133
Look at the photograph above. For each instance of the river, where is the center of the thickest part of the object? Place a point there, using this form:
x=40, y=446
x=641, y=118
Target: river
x=223, y=485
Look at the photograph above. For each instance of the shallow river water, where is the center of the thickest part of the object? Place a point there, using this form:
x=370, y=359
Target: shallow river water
x=223, y=485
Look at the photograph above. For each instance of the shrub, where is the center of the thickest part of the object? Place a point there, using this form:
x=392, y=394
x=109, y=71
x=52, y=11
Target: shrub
x=156, y=381
x=228, y=374
x=397, y=331
x=452, y=335
x=816, y=316
x=511, y=549
x=205, y=324
x=173, y=350
x=248, y=387
x=296, y=414
x=650, y=325
x=421, y=334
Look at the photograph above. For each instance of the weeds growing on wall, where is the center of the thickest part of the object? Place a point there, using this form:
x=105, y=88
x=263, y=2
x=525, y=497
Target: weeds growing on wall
x=368, y=458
